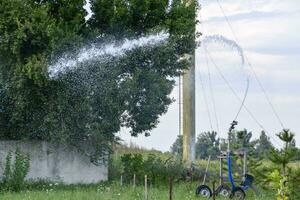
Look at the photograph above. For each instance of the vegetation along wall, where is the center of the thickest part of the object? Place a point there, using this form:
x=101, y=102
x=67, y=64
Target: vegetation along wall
x=54, y=163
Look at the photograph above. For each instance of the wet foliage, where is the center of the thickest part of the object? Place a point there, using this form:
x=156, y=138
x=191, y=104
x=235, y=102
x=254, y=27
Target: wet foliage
x=86, y=107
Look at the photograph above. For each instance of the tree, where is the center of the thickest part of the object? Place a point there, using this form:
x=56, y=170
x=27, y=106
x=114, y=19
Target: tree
x=241, y=139
x=132, y=164
x=284, y=156
x=207, y=145
x=173, y=169
x=30, y=33
x=287, y=178
x=87, y=106
x=177, y=146
x=264, y=145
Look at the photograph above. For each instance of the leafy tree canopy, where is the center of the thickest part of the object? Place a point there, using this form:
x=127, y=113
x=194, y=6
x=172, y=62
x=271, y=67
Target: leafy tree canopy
x=86, y=107
x=263, y=146
x=177, y=146
x=284, y=156
x=207, y=145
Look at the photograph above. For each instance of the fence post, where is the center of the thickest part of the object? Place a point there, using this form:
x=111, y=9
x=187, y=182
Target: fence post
x=170, y=188
x=121, y=180
x=134, y=177
x=214, y=189
x=146, y=188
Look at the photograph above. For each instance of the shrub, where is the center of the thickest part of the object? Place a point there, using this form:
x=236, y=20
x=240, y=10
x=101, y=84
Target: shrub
x=154, y=168
x=14, y=174
x=7, y=172
x=157, y=169
x=115, y=168
x=293, y=183
x=278, y=182
x=132, y=164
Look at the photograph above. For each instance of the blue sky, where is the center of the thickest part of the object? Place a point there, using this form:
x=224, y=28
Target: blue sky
x=268, y=31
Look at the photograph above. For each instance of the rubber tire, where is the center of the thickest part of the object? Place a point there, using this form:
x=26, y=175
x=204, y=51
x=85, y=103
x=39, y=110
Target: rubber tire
x=238, y=194
x=204, y=191
x=223, y=191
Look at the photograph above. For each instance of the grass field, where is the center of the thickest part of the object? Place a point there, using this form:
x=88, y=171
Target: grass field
x=113, y=191
x=182, y=191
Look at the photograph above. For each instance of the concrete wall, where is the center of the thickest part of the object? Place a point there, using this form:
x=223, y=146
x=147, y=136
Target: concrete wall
x=55, y=163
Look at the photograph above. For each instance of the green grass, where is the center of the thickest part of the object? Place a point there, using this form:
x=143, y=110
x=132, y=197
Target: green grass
x=182, y=191
x=113, y=191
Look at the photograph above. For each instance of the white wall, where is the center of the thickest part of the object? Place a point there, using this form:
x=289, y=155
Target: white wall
x=55, y=163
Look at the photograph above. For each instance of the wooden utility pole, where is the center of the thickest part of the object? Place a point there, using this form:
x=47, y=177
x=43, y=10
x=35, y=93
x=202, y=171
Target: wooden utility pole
x=189, y=109
x=189, y=113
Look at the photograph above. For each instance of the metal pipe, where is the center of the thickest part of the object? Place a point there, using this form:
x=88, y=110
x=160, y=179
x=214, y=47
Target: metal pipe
x=180, y=103
x=245, y=164
x=221, y=170
x=206, y=170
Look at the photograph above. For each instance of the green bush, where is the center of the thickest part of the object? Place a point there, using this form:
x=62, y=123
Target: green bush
x=15, y=173
x=115, y=168
x=154, y=167
x=173, y=168
x=7, y=172
x=132, y=164
x=278, y=182
x=293, y=183
x=157, y=169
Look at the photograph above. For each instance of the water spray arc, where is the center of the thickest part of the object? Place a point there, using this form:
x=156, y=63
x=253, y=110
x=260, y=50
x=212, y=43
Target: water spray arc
x=102, y=53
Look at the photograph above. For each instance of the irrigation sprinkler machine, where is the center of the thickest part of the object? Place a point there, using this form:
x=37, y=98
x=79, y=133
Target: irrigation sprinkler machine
x=231, y=190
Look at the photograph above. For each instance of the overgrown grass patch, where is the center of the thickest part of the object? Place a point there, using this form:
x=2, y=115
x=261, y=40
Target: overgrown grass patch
x=113, y=191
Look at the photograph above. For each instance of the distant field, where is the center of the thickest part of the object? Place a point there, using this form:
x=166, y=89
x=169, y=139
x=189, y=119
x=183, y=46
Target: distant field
x=182, y=191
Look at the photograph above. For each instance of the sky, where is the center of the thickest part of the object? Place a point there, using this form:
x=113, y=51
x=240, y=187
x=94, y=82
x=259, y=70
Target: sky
x=268, y=32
